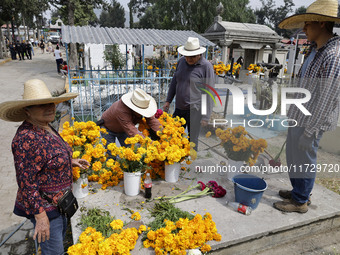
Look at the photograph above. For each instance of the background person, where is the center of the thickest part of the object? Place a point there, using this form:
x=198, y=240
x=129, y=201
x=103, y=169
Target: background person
x=121, y=118
x=43, y=162
x=319, y=74
x=42, y=46
x=57, y=54
x=191, y=72
x=64, y=69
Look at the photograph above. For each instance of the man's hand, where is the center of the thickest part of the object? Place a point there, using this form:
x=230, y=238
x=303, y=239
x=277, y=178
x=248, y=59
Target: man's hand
x=82, y=163
x=166, y=106
x=306, y=143
x=42, y=227
x=204, y=123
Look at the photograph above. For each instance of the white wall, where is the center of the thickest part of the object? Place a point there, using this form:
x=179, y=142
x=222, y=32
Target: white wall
x=97, y=54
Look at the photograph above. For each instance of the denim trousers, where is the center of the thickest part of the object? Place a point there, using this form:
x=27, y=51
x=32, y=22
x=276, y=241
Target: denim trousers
x=301, y=164
x=54, y=246
x=193, y=121
x=110, y=137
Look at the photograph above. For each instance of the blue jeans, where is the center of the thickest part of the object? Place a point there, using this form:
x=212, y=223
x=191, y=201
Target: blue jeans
x=193, y=120
x=302, y=164
x=54, y=246
x=110, y=137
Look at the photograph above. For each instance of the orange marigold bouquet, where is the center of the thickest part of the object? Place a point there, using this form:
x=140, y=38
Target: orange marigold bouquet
x=238, y=146
x=84, y=139
x=171, y=141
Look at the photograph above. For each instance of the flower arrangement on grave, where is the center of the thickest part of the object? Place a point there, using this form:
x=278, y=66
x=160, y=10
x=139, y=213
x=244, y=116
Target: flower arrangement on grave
x=221, y=68
x=253, y=68
x=134, y=158
x=178, y=235
x=105, y=234
x=171, y=141
x=238, y=146
x=84, y=139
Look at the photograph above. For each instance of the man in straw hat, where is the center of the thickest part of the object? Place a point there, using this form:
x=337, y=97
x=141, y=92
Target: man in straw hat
x=194, y=74
x=319, y=75
x=121, y=118
x=42, y=163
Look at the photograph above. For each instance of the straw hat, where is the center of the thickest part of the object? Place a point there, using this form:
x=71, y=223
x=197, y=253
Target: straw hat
x=191, y=47
x=140, y=102
x=35, y=93
x=320, y=10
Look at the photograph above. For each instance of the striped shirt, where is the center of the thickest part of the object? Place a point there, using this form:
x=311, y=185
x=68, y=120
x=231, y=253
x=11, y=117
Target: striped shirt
x=321, y=79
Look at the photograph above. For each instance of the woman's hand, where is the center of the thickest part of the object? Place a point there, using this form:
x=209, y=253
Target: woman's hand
x=42, y=227
x=82, y=163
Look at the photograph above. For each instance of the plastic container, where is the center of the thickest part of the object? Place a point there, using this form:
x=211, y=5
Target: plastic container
x=132, y=183
x=172, y=172
x=240, y=207
x=249, y=189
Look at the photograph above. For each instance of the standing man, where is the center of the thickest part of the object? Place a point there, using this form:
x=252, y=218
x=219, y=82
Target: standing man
x=12, y=49
x=28, y=50
x=319, y=75
x=193, y=74
x=19, y=50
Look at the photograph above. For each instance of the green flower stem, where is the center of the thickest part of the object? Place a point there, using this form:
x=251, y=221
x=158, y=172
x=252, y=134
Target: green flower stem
x=204, y=192
x=278, y=155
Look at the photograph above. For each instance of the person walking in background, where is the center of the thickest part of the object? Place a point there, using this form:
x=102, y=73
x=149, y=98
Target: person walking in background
x=319, y=75
x=28, y=50
x=13, y=52
x=58, y=58
x=32, y=48
x=42, y=46
x=23, y=50
x=193, y=72
x=20, y=50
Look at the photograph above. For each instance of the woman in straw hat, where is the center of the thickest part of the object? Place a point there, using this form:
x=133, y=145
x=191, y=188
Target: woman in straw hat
x=43, y=162
x=121, y=118
x=319, y=75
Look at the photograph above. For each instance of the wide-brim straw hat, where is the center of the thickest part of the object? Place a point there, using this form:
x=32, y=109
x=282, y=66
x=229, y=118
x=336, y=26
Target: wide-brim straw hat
x=35, y=93
x=320, y=10
x=140, y=102
x=191, y=48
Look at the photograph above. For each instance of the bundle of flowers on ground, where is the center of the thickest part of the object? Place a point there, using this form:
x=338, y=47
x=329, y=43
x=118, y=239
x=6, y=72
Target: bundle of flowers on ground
x=210, y=188
x=238, y=147
x=171, y=142
x=84, y=138
x=93, y=242
x=183, y=234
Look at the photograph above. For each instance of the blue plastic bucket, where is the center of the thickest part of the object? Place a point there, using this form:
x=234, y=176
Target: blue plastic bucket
x=249, y=189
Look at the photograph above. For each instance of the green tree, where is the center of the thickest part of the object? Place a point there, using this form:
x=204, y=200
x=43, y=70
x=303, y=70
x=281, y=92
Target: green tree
x=71, y=7
x=271, y=16
x=113, y=15
x=189, y=14
x=301, y=9
x=113, y=55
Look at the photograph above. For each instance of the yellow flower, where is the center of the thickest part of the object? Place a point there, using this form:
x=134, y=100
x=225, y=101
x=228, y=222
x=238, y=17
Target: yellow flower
x=136, y=216
x=207, y=135
x=117, y=224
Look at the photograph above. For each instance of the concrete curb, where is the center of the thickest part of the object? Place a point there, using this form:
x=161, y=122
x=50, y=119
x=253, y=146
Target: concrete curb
x=5, y=61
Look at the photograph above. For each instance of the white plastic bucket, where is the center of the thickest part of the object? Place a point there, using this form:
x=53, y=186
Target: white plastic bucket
x=77, y=190
x=132, y=183
x=172, y=172
x=234, y=169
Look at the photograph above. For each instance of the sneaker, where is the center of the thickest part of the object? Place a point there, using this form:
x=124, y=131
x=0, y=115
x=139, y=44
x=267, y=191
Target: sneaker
x=287, y=195
x=290, y=205
x=63, y=76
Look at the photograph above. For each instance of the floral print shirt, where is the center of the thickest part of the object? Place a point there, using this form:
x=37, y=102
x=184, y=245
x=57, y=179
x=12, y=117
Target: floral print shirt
x=42, y=162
